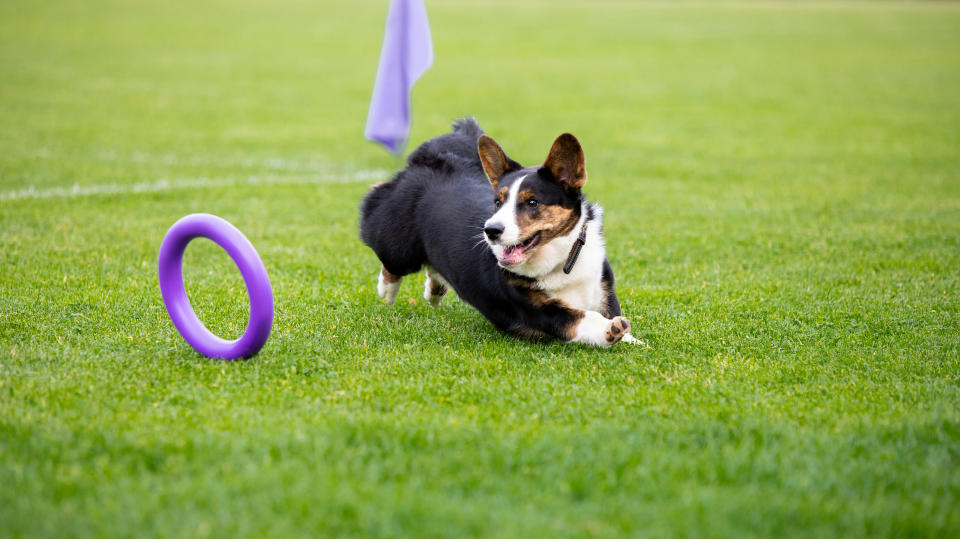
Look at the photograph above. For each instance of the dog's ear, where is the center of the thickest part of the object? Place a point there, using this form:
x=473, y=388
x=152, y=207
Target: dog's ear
x=495, y=162
x=565, y=161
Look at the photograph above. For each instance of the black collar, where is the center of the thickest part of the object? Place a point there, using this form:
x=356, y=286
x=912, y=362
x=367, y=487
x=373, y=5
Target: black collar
x=575, y=250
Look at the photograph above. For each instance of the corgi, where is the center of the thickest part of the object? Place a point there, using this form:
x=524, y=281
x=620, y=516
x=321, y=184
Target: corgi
x=520, y=244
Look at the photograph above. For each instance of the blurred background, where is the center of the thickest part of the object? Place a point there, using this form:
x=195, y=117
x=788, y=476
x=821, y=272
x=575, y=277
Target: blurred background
x=115, y=91
x=781, y=183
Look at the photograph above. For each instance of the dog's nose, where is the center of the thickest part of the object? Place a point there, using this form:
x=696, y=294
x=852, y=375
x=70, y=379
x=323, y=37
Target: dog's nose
x=493, y=231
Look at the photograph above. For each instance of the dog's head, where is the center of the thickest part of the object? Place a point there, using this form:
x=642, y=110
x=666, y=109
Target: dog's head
x=535, y=205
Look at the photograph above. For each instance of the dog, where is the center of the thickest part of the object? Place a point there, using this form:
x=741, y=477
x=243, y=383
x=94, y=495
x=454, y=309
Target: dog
x=520, y=244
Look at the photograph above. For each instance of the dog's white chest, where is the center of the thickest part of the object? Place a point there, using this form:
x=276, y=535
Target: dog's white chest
x=586, y=294
x=582, y=288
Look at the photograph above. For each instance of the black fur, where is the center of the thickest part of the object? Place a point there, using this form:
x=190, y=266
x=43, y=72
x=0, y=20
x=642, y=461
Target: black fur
x=433, y=212
x=613, y=304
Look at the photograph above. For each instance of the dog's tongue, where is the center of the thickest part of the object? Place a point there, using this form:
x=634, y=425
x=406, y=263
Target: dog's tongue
x=512, y=255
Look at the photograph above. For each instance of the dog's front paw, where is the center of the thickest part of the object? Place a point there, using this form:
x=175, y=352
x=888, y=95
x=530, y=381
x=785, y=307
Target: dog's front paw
x=619, y=327
x=598, y=330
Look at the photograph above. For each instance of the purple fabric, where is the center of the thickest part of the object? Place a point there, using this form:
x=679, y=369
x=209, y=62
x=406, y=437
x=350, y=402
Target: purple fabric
x=406, y=54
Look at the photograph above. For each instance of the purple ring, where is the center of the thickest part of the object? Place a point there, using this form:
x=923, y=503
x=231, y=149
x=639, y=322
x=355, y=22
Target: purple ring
x=204, y=225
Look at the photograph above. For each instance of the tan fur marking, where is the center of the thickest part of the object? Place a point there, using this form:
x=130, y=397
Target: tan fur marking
x=568, y=332
x=389, y=277
x=525, y=195
x=493, y=159
x=571, y=330
x=605, y=311
x=530, y=333
x=550, y=220
x=539, y=299
x=565, y=161
x=437, y=289
x=524, y=283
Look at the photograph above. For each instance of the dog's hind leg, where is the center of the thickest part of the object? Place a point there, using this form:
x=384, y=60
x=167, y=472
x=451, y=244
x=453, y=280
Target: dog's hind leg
x=388, y=285
x=434, y=287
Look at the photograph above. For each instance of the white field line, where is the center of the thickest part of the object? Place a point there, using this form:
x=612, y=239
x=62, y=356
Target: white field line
x=266, y=163
x=165, y=184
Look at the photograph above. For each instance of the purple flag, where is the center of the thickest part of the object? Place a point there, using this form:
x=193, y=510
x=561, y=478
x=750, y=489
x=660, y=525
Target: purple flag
x=406, y=54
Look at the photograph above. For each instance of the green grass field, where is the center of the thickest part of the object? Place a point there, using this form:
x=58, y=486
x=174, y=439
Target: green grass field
x=782, y=193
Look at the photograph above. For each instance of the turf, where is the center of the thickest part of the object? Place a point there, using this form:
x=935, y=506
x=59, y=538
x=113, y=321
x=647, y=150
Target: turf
x=782, y=194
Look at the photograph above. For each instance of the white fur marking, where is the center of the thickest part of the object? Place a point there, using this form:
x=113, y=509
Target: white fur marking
x=581, y=288
x=387, y=291
x=434, y=277
x=593, y=330
x=507, y=216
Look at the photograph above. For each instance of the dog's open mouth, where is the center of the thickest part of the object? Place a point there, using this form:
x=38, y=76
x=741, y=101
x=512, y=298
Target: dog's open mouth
x=517, y=254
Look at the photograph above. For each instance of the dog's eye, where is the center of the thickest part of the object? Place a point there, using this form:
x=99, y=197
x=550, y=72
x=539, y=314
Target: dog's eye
x=497, y=203
x=533, y=203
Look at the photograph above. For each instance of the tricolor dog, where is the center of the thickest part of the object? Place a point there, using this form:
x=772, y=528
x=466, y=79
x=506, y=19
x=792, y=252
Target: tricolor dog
x=520, y=244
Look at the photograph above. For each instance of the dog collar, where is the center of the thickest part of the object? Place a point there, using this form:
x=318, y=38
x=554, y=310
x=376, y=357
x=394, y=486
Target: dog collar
x=575, y=250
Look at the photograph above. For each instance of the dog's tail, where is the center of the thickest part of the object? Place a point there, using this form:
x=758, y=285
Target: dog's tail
x=446, y=156
x=468, y=127
x=452, y=152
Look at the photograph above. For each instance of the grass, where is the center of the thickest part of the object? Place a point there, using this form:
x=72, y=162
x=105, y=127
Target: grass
x=782, y=194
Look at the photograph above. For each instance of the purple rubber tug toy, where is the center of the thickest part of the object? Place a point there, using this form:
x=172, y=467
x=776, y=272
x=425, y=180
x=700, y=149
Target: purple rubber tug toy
x=204, y=225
